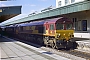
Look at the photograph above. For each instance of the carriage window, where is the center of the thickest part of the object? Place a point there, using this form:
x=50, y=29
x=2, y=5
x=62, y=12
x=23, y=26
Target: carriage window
x=52, y=27
x=59, y=26
x=68, y=26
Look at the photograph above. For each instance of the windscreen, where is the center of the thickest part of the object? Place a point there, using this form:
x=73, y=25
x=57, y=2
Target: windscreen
x=59, y=26
x=68, y=26
x=65, y=26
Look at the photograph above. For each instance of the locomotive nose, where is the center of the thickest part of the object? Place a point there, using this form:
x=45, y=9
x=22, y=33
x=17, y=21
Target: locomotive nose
x=64, y=34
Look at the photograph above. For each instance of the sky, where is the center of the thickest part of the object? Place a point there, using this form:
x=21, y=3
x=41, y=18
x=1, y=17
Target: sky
x=28, y=6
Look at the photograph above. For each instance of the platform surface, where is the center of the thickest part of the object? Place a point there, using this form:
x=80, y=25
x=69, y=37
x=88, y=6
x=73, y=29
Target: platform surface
x=9, y=50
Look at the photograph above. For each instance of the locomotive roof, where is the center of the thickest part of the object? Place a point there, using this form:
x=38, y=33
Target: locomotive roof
x=41, y=22
x=33, y=23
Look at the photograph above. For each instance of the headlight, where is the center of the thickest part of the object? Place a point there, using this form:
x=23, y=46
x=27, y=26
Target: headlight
x=64, y=34
x=58, y=35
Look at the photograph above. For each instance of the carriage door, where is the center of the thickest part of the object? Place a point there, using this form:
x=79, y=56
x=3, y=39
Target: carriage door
x=51, y=30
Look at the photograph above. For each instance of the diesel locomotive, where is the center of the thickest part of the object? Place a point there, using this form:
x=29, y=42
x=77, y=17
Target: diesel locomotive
x=55, y=32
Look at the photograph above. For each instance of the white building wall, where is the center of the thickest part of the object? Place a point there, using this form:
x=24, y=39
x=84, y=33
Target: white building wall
x=84, y=34
x=63, y=2
x=85, y=15
x=79, y=0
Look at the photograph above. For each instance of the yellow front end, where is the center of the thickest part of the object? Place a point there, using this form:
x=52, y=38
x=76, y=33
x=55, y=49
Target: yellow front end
x=64, y=34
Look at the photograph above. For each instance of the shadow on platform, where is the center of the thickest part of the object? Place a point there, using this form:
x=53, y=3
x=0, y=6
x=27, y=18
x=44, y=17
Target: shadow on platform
x=3, y=39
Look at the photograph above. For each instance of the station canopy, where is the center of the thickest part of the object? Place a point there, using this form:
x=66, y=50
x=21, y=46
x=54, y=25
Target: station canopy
x=9, y=12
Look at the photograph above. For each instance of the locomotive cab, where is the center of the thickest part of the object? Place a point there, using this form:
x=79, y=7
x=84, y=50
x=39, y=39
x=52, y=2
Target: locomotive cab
x=64, y=29
x=64, y=33
x=60, y=33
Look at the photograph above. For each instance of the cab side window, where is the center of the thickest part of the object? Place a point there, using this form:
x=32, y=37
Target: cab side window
x=51, y=26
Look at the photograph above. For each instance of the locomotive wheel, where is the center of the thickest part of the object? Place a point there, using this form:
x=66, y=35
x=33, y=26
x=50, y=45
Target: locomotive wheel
x=53, y=45
x=46, y=41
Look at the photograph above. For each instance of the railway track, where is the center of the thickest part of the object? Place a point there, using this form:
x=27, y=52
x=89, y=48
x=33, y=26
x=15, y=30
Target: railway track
x=71, y=54
x=79, y=54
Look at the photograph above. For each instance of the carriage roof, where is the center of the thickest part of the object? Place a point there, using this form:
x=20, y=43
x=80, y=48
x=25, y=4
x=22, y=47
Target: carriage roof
x=42, y=22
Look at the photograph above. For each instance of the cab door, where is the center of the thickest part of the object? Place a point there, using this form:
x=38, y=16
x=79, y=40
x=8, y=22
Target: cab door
x=52, y=29
x=46, y=29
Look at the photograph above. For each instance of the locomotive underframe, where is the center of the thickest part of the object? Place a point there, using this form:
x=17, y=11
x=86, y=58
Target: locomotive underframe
x=47, y=40
x=55, y=43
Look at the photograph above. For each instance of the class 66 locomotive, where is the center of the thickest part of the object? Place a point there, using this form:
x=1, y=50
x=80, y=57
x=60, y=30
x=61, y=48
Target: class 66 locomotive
x=55, y=32
x=59, y=33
